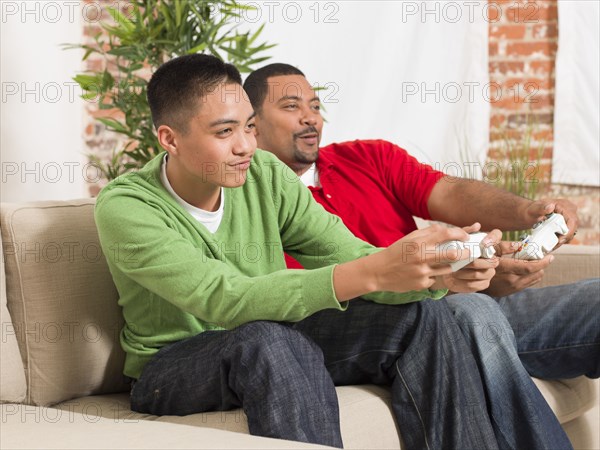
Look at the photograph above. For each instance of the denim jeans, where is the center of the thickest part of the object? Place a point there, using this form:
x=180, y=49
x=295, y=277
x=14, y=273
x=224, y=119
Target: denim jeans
x=557, y=329
x=283, y=376
x=437, y=395
x=272, y=371
x=520, y=416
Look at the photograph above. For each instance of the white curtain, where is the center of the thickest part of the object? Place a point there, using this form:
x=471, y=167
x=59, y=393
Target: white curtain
x=576, y=157
x=414, y=73
x=43, y=154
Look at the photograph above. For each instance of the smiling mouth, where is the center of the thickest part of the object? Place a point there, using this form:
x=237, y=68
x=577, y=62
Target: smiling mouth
x=242, y=165
x=310, y=138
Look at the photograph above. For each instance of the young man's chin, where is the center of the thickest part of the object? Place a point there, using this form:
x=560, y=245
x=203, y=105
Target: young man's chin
x=234, y=179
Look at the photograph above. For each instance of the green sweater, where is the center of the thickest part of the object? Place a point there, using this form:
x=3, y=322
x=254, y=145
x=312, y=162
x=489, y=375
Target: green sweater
x=176, y=279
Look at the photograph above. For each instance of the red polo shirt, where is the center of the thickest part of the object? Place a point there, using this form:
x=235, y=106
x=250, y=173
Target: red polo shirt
x=375, y=187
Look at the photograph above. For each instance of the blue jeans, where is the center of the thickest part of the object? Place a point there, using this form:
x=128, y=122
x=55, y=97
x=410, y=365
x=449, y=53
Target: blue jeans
x=437, y=395
x=557, y=329
x=283, y=375
x=520, y=416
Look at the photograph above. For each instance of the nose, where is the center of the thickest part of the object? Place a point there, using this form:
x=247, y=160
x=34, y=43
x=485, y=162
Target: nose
x=309, y=117
x=245, y=144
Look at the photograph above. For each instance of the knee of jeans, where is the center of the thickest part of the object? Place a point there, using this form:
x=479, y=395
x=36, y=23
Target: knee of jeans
x=275, y=340
x=475, y=306
x=478, y=309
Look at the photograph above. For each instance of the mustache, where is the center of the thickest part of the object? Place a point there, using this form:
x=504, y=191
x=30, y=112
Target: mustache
x=308, y=130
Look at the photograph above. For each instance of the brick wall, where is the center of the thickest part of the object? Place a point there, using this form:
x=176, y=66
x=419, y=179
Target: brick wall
x=98, y=140
x=522, y=53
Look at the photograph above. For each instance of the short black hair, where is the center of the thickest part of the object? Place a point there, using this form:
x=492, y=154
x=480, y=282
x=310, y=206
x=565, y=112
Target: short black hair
x=177, y=85
x=257, y=87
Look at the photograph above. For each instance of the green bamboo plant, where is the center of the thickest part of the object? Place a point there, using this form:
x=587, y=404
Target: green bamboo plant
x=136, y=42
x=517, y=169
x=520, y=172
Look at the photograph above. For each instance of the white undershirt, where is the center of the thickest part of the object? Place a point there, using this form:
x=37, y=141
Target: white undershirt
x=311, y=176
x=210, y=219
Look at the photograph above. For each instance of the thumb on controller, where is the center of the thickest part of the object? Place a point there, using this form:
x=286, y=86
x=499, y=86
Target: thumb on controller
x=507, y=247
x=540, y=208
x=472, y=228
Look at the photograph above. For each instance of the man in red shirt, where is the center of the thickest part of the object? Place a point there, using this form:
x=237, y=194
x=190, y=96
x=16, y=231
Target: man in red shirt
x=376, y=188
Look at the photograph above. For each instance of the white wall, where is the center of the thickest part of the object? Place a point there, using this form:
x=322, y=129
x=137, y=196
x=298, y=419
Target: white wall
x=42, y=151
x=372, y=55
x=411, y=72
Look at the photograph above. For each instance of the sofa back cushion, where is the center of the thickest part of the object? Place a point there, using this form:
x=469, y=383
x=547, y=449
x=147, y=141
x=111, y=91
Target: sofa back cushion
x=62, y=301
x=12, y=374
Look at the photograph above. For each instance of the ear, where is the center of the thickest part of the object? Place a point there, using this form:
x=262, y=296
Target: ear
x=167, y=137
x=257, y=124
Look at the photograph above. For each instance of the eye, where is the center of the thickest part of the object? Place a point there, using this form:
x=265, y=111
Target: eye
x=316, y=107
x=251, y=126
x=291, y=106
x=224, y=132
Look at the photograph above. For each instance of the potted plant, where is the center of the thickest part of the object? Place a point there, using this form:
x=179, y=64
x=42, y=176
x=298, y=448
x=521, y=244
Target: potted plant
x=515, y=167
x=141, y=36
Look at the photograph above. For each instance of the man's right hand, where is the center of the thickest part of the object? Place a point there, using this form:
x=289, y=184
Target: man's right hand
x=514, y=275
x=413, y=262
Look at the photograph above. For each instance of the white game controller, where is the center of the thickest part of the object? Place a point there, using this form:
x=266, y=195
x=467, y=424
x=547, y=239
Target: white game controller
x=473, y=244
x=542, y=238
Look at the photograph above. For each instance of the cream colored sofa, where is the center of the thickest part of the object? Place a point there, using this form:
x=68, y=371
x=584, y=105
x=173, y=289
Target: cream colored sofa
x=61, y=381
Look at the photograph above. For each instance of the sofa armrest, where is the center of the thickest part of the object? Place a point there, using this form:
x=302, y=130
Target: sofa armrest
x=572, y=263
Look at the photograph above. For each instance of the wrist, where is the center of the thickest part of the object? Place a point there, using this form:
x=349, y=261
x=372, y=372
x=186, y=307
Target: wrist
x=354, y=279
x=524, y=215
x=438, y=285
x=371, y=268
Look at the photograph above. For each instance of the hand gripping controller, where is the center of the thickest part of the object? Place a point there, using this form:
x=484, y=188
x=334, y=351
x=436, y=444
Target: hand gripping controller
x=542, y=238
x=473, y=244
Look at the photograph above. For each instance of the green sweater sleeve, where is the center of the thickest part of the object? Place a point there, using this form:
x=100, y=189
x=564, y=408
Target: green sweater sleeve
x=145, y=250
x=155, y=250
x=317, y=238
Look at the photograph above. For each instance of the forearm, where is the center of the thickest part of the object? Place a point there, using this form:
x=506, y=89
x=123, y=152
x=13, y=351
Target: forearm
x=197, y=277
x=318, y=239
x=462, y=202
x=353, y=279
x=362, y=278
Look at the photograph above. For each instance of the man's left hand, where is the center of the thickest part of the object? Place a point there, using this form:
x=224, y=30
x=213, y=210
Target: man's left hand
x=537, y=210
x=514, y=275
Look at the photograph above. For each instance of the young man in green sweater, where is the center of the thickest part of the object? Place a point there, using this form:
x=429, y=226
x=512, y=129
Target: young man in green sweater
x=213, y=319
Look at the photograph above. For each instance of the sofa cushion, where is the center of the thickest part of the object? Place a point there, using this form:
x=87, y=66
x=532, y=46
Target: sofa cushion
x=366, y=418
x=569, y=398
x=572, y=263
x=584, y=431
x=62, y=301
x=26, y=427
x=12, y=374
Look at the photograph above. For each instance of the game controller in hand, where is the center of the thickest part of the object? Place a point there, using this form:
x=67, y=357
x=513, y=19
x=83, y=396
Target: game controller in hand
x=473, y=244
x=542, y=238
